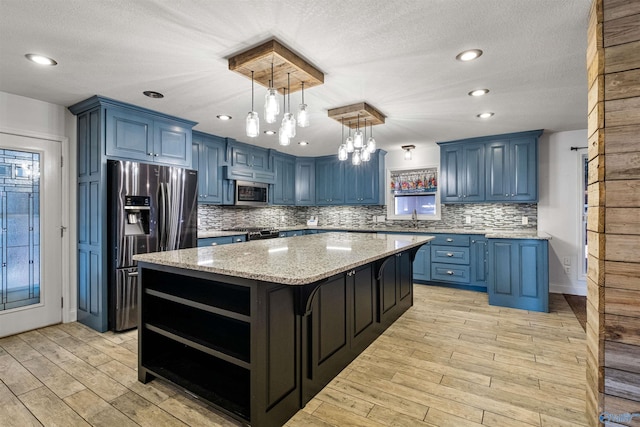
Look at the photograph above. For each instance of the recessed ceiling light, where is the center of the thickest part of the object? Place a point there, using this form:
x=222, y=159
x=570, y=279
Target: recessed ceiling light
x=40, y=59
x=303, y=143
x=479, y=92
x=484, y=115
x=224, y=117
x=269, y=132
x=153, y=94
x=469, y=55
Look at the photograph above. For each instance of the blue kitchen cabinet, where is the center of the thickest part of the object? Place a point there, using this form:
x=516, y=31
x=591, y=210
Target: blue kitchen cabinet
x=111, y=129
x=478, y=260
x=518, y=274
x=223, y=240
x=292, y=233
x=329, y=181
x=283, y=191
x=208, y=157
x=305, y=181
x=134, y=135
x=248, y=156
x=422, y=264
x=512, y=170
x=462, y=175
x=364, y=183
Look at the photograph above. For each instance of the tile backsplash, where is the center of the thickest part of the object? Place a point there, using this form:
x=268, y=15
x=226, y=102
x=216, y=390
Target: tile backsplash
x=484, y=216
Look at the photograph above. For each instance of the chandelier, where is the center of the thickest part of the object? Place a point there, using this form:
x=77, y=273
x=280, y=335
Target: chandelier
x=358, y=146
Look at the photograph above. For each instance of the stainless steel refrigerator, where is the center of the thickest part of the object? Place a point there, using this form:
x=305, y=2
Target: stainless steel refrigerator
x=151, y=208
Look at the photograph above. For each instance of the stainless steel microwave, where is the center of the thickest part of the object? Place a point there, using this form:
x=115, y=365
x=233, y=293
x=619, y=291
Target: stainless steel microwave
x=251, y=193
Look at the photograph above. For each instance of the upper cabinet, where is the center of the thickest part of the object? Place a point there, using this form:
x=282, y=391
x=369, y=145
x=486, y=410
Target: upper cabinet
x=248, y=156
x=136, y=135
x=208, y=158
x=462, y=173
x=329, y=181
x=284, y=167
x=305, y=181
x=501, y=168
x=512, y=170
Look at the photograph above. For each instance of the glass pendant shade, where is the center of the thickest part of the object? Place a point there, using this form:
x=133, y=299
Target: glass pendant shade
x=271, y=107
x=252, y=124
x=371, y=145
x=355, y=158
x=366, y=155
x=289, y=125
x=407, y=154
x=358, y=140
x=349, y=143
x=303, y=116
x=342, y=152
x=283, y=137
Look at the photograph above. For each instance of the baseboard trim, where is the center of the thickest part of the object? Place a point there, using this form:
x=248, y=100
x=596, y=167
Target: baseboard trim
x=568, y=289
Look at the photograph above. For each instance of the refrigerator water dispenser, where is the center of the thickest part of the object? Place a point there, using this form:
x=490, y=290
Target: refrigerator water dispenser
x=137, y=209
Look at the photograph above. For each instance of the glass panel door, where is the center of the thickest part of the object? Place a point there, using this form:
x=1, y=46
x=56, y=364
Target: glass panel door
x=20, y=228
x=30, y=233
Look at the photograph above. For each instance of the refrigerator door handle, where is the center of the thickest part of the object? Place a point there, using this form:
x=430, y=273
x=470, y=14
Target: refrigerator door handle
x=162, y=218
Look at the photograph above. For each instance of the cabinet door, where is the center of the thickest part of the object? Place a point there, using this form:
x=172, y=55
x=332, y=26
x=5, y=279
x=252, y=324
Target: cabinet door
x=129, y=135
x=363, y=291
x=241, y=156
x=259, y=159
x=329, y=181
x=478, y=263
x=172, y=144
x=422, y=263
x=523, y=161
x=283, y=189
x=209, y=171
x=450, y=170
x=353, y=190
x=472, y=173
x=305, y=182
x=498, y=172
x=519, y=274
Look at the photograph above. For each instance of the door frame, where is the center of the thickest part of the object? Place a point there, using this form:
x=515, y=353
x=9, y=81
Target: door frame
x=68, y=213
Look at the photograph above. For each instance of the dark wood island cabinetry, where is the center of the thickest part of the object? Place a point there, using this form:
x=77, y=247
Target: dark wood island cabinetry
x=258, y=329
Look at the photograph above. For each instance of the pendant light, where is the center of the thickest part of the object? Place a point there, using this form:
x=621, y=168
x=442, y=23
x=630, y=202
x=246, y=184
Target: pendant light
x=271, y=107
x=283, y=134
x=303, y=115
x=358, y=140
x=342, y=149
x=288, y=121
x=371, y=142
x=365, y=153
x=253, y=121
x=356, y=159
x=349, y=142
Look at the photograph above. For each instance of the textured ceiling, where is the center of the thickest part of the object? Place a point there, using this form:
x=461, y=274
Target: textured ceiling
x=397, y=55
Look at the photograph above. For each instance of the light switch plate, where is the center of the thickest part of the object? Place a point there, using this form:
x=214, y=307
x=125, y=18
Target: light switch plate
x=525, y=220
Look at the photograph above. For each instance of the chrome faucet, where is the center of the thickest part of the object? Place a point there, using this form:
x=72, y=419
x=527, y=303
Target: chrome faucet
x=414, y=218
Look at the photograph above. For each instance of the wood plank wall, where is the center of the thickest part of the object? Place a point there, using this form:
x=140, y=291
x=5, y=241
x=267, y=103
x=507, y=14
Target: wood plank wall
x=613, y=236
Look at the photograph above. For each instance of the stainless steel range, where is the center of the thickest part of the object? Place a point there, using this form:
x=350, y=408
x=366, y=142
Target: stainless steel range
x=256, y=233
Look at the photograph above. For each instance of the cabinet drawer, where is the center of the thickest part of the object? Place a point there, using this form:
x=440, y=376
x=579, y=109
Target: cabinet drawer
x=451, y=240
x=450, y=273
x=450, y=254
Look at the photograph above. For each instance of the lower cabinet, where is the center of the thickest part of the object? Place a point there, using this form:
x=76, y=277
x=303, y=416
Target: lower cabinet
x=422, y=264
x=518, y=274
x=395, y=281
x=224, y=240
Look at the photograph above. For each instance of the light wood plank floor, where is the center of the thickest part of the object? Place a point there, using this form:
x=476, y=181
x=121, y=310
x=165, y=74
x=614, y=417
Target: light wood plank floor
x=451, y=360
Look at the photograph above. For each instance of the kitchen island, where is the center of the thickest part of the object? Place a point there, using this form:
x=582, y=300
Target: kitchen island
x=258, y=329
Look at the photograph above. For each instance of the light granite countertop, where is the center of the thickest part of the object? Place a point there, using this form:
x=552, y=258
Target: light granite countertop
x=291, y=261
x=490, y=234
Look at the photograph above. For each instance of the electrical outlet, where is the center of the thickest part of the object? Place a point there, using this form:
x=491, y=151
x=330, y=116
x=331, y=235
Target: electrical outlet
x=467, y=219
x=381, y=218
x=567, y=269
x=566, y=260
x=525, y=220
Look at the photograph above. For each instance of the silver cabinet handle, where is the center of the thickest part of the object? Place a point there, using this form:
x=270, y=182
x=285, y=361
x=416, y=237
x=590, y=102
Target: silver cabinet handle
x=449, y=239
x=150, y=153
x=450, y=273
x=214, y=244
x=449, y=254
x=238, y=239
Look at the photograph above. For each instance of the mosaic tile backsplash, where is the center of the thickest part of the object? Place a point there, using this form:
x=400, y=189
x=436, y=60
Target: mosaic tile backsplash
x=484, y=216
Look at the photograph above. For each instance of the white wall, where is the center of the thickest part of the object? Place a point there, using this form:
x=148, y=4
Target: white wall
x=33, y=118
x=560, y=188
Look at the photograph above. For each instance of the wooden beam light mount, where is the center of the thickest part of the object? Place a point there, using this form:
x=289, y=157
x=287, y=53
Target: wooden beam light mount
x=350, y=114
x=259, y=59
